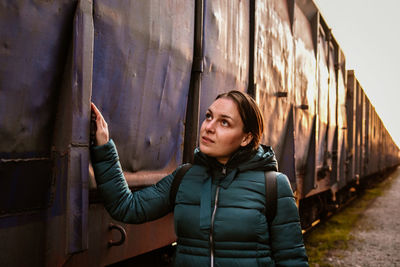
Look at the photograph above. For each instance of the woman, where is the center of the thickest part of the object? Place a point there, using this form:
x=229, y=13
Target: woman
x=219, y=208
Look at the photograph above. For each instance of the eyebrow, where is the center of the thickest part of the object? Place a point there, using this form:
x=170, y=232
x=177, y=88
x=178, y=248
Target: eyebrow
x=223, y=115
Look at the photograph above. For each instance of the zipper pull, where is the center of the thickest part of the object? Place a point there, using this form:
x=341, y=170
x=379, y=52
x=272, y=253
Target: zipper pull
x=224, y=170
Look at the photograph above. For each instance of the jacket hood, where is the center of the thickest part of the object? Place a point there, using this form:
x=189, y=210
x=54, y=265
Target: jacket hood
x=262, y=159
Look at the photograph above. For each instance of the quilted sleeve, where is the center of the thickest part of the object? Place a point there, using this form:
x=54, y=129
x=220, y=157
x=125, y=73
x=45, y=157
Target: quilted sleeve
x=286, y=236
x=147, y=204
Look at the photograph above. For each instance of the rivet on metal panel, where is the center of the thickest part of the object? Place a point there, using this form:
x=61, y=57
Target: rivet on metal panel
x=281, y=94
x=148, y=141
x=123, y=235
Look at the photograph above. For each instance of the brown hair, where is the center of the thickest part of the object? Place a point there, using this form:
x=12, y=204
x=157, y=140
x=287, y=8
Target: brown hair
x=250, y=113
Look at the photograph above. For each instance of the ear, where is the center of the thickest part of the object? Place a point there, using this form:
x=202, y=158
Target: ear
x=247, y=138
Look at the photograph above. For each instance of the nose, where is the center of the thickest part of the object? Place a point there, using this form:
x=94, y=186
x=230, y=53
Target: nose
x=209, y=126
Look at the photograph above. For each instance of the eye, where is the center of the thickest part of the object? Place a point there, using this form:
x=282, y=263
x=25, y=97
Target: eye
x=208, y=116
x=224, y=123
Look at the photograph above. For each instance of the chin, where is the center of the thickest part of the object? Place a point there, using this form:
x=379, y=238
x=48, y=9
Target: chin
x=206, y=150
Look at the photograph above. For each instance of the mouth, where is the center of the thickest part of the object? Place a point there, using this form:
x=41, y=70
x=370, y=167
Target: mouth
x=207, y=140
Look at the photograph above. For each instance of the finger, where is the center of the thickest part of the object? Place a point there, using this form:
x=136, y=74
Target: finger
x=96, y=110
x=100, y=121
x=93, y=107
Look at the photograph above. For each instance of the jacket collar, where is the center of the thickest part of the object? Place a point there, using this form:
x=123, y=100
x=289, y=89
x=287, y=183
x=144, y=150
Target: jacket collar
x=262, y=159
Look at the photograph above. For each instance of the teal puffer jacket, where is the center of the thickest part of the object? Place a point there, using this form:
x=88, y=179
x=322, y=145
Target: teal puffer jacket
x=219, y=210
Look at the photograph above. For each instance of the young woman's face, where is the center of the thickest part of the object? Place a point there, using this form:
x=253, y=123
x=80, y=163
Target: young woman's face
x=221, y=132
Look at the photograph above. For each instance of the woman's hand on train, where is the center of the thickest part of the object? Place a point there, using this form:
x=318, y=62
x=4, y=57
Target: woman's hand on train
x=102, y=135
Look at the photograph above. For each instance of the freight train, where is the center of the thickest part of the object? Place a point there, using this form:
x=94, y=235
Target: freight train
x=153, y=67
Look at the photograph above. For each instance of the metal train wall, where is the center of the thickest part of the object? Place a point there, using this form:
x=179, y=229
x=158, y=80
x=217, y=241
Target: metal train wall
x=153, y=67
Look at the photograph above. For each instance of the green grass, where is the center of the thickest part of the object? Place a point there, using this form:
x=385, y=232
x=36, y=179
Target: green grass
x=336, y=232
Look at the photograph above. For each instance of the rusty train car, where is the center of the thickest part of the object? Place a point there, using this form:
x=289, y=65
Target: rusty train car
x=153, y=67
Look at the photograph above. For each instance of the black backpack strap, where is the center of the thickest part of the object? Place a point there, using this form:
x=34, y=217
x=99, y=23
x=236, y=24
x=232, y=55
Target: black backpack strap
x=176, y=182
x=271, y=195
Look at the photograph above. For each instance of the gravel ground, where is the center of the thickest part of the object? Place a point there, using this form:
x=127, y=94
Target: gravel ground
x=376, y=239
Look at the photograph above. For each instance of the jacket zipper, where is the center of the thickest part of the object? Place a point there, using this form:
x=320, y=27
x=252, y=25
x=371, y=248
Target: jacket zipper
x=212, y=221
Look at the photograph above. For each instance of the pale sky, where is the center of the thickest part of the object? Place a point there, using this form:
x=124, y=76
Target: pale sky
x=368, y=31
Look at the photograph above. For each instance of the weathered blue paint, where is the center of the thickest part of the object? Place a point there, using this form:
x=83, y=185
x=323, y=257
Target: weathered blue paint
x=141, y=78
